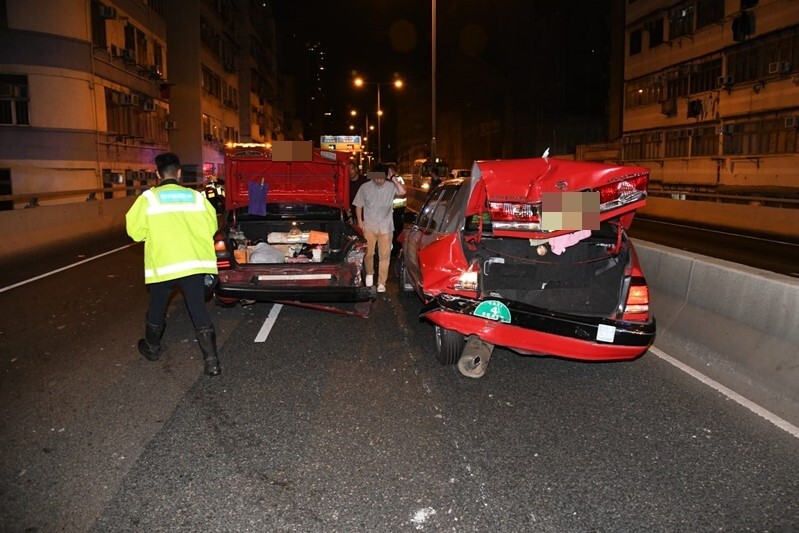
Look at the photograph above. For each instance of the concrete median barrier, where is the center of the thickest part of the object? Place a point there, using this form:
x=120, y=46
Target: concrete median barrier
x=736, y=324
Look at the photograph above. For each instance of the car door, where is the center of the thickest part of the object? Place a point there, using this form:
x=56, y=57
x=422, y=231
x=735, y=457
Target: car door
x=427, y=228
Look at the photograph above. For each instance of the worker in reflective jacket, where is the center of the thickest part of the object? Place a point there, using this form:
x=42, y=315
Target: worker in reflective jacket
x=177, y=226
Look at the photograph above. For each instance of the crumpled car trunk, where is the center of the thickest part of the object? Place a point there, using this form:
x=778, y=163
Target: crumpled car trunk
x=585, y=279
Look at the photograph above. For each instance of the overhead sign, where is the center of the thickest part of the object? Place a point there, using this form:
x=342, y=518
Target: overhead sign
x=341, y=143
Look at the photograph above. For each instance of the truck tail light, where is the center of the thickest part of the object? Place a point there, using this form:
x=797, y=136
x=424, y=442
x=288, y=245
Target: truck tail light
x=222, y=252
x=513, y=215
x=623, y=192
x=636, y=308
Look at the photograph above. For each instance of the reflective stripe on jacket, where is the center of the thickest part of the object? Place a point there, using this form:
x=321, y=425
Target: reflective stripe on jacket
x=177, y=226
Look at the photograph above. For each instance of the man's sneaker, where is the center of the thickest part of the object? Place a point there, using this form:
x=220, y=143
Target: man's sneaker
x=369, y=280
x=381, y=288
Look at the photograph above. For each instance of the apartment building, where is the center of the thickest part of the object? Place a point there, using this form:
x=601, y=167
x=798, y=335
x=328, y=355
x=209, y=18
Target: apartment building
x=92, y=90
x=82, y=103
x=223, y=85
x=711, y=99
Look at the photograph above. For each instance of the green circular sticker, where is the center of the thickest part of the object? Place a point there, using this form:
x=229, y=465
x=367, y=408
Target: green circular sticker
x=493, y=310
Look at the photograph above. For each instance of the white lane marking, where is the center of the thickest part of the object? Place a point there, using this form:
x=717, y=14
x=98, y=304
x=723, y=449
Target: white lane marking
x=268, y=323
x=752, y=406
x=21, y=283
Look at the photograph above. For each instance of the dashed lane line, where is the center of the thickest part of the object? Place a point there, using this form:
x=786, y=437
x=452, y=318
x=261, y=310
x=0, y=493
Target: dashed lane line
x=268, y=323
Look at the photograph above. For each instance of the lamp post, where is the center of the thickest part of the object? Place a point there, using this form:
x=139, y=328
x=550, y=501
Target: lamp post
x=433, y=78
x=397, y=83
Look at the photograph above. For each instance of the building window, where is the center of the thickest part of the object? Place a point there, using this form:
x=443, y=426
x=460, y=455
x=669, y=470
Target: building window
x=129, y=120
x=643, y=146
x=767, y=135
x=5, y=189
x=704, y=76
x=681, y=21
x=14, y=100
x=705, y=142
x=756, y=59
x=635, y=42
x=98, y=27
x=655, y=30
x=643, y=91
x=141, y=48
x=211, y=82
x=677, y=143
x=709, y=12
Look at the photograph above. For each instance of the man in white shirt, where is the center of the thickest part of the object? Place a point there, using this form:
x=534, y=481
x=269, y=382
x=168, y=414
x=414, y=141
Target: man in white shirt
x=374, y=203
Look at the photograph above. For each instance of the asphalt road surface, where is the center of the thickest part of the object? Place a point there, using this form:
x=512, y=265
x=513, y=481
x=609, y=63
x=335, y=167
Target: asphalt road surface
x=333, y=423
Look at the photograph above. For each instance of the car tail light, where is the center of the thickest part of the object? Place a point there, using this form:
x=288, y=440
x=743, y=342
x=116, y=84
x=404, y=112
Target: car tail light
x=623, y=192
x=637, y=306
x=222, y=252
x=513, y=215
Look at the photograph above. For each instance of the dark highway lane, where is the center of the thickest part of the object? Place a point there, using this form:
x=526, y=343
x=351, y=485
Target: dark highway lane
x=334, y=423
x=767, y=254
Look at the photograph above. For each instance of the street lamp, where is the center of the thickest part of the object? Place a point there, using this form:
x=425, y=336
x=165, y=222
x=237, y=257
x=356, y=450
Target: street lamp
x=398, y=84
x=433, y=102
x=367, y=128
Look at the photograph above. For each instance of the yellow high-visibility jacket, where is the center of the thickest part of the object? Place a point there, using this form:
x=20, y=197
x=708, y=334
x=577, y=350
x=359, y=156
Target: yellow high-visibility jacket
x=177, y=226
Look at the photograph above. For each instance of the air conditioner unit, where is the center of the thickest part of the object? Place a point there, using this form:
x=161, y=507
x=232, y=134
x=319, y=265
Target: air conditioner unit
x=171, y=125
x=107, y=12
x=779, y=67
x=790, y=122
x=725, y=81
x=148, y=105
x=129, y=99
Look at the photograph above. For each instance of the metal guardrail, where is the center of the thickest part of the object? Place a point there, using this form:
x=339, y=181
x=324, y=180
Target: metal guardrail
x=33, y=198
x=767, y=201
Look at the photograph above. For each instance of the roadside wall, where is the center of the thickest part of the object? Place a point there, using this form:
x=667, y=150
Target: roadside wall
x=736, y=324
x=38, y=228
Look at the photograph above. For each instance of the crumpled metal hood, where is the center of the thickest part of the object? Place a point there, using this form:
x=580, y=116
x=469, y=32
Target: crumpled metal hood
x=524, y=180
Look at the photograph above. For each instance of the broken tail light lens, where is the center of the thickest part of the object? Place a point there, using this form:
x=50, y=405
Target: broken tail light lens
x=514, y=215
x=623, y=192
x=469, y=279
x=636, y=308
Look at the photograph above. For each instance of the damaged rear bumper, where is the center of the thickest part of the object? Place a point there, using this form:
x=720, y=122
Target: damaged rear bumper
x=298, y=294
x=531, y=330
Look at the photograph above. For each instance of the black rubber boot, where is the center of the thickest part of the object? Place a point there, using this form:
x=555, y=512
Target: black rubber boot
x=150, y=345
x=206, y=338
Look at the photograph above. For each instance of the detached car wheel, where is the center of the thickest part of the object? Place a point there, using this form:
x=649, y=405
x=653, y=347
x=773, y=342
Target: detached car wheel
x=449, y=345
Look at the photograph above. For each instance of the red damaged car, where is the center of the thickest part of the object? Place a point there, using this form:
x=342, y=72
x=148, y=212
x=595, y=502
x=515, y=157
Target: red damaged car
x=286, y=235
x=490, y=274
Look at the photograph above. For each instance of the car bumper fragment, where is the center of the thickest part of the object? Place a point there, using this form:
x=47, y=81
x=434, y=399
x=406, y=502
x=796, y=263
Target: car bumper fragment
x=538, y=331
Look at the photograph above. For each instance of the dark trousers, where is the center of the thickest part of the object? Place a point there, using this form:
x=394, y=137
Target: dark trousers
x=193, y=290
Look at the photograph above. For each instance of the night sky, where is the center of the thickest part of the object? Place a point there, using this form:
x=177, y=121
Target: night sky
x=555, y=53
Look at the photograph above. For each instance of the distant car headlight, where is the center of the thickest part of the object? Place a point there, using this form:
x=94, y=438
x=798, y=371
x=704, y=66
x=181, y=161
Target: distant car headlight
x=425, y=186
